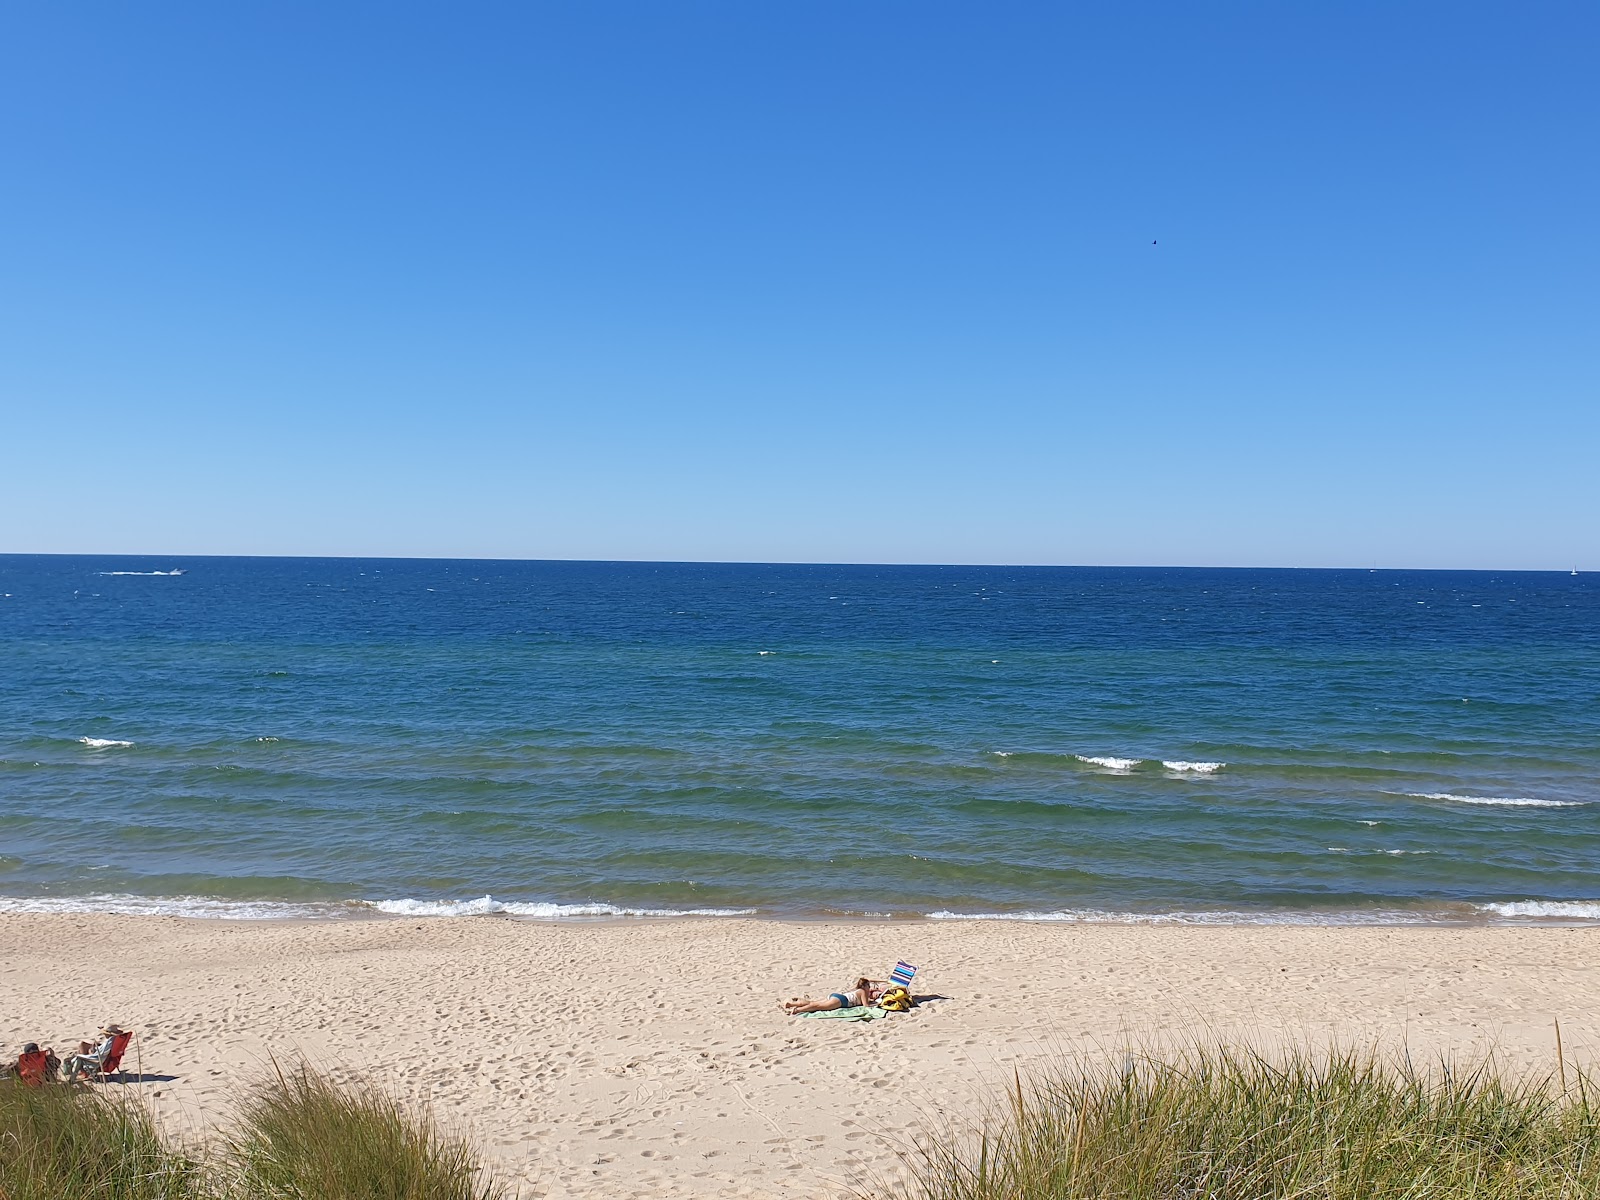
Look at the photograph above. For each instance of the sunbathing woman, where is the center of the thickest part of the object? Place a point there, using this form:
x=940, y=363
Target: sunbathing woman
x=864, y=991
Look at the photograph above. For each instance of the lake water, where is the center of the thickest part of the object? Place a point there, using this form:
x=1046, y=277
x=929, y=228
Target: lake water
x=256, y=737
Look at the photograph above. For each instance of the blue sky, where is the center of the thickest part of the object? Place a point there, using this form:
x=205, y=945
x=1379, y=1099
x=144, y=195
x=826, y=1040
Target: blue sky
x=842, y=282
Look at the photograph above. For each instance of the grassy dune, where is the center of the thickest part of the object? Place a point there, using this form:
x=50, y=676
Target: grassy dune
x=60, y=1143
x=1215, y=1123
x=301, y=1136
x=297, y=1137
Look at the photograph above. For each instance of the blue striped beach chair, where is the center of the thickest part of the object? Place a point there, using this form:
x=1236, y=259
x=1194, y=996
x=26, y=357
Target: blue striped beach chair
x=902, y=975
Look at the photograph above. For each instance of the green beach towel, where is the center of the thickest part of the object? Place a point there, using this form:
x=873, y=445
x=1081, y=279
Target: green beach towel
x=861, y=1012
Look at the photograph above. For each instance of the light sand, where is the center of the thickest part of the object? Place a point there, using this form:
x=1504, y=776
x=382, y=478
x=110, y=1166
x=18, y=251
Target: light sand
x=650, y=1059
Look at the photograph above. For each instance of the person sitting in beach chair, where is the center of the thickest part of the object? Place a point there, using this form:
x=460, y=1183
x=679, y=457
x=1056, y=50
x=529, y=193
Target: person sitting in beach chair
x=102, y=1059
x=864, y=992
x=34, y=1065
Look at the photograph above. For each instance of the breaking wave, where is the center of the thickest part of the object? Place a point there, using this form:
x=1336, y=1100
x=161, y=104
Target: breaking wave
x=102, y=743
x=1501, y=801
x=268, y=910
x=1588, y=910
x=1109, y=762
x=172, y=906
x=1090, y=916
x=487, y=905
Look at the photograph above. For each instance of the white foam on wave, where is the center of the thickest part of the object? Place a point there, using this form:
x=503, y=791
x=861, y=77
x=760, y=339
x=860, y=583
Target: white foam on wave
x=1108, y=762
x=1588, y=910
x=210, y=908
x=1347, y=850
x=102, y=743
x=178, y=572
x=488, y=905
x=1091, y=916
x=1501, y=801
x=1196, y=768
x=171, y=906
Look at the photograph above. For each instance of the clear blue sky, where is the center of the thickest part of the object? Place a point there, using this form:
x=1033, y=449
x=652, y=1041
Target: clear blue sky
x=845, y=282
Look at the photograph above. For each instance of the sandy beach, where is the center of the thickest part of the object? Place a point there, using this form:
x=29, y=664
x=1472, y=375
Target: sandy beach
x=650, y=1058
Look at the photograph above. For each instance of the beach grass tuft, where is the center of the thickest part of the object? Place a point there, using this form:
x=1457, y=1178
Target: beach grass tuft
x=76, y=1143
x=299, y=1136
x=1221, y=1123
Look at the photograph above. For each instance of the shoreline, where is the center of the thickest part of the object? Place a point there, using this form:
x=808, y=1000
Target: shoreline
x=1515, y=914
x=647, y=1057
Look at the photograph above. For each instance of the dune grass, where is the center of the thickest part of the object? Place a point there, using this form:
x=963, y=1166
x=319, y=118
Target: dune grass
x=297, y=1136
x=61, y=1143
x=1218, y=1123
x=301, y=1137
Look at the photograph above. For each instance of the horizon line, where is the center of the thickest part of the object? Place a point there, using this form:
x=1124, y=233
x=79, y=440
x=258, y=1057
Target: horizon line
x=739, y=562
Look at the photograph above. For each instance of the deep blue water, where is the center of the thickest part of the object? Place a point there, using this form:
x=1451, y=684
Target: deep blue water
x=798, y=739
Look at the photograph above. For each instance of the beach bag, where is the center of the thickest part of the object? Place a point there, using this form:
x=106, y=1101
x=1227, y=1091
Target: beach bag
x=896, y=999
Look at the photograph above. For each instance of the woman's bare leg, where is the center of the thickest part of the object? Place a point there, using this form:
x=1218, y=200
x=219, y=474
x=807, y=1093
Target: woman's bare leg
x=795, y=1007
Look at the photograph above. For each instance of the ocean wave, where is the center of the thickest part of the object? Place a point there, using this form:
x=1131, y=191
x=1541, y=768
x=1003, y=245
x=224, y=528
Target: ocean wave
x=1108, y=762
x=172, y=906
x=487, y=905
x=175, y=572
x=1502, y=801
x=1519, y=910
x=211, y=908
x=1585, y=909
x=102, y=743
x=1347, y=850
x=1090, y=916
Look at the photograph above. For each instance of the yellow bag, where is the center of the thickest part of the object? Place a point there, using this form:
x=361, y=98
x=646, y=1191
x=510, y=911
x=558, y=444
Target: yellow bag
x=896, y=999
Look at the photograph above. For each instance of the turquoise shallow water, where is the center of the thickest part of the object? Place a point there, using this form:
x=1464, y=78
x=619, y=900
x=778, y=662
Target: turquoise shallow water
x=277, y=736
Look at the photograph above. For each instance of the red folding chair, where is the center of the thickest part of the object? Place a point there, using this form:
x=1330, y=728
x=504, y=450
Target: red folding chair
x=32, y=1067
x=112, y=1062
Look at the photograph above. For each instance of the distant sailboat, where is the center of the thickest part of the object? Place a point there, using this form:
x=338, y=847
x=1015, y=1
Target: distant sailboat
x=1574, y=570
